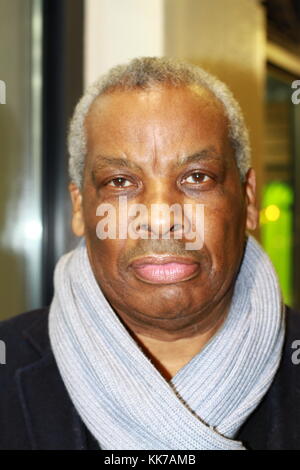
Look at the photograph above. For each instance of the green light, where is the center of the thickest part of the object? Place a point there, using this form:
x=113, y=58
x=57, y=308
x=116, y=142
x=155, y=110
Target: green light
x=276, y=220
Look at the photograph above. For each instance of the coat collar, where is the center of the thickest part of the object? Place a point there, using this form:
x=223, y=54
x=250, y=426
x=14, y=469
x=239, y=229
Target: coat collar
x=51, y=419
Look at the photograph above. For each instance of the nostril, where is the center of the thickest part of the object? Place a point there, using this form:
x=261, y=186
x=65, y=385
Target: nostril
x=159, y=229
x=176, y=227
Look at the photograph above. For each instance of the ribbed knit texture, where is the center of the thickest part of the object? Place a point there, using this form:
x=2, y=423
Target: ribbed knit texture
x=120, y=395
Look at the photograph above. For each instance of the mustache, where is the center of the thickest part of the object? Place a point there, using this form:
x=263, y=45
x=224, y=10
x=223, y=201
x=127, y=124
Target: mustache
x=171, y=247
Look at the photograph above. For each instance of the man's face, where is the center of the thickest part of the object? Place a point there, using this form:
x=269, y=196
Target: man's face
x=138, y=144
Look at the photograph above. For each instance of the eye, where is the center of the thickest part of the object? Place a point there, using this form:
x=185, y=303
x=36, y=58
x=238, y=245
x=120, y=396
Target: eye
x=197, y=177
x=119, y=182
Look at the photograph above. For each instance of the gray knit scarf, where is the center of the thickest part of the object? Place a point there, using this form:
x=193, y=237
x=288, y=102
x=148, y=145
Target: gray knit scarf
x=120, y=395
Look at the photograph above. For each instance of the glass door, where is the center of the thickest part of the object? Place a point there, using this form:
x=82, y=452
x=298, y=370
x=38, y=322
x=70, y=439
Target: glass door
x=278, y=218
x=20, y=155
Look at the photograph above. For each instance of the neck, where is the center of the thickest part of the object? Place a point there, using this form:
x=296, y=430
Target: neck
x=170, y=356
x=170, y=352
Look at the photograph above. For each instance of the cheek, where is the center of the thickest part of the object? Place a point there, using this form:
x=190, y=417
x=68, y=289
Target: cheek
x=221, y=225
x=105, y=253
x=104, y=257
x=224, y=232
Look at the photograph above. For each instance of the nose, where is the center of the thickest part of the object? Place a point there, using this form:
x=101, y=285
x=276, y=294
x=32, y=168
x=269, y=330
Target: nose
x=163, y=221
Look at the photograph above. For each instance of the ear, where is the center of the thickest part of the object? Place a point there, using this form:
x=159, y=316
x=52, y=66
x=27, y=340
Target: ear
x=250, y=193
x=77, y=218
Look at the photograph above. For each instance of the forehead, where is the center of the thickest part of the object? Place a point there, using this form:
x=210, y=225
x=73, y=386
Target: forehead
x=165, y=121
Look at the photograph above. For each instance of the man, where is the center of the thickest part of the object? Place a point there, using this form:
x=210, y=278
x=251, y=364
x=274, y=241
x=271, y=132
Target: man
x=151, y=341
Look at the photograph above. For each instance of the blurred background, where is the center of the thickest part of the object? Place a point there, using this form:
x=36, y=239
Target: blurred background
x=50, y=50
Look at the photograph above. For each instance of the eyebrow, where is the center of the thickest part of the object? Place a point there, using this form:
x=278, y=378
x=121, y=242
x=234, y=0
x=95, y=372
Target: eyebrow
x=205, y=154
x=105, y=161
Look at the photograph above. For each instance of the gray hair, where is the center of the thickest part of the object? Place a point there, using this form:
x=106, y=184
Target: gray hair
x=146, y=72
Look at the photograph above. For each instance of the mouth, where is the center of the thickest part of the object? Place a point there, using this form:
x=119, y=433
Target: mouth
x=164, y=269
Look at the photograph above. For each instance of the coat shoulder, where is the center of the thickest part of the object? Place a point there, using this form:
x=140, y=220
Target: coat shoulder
x=275, y=423
x=292, y=322
x=16, y=324
x=290, y=362
x=25, y=338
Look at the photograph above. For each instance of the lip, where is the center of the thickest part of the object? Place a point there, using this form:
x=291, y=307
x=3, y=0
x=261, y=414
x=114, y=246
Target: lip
x=161, y=259
x=164, y=269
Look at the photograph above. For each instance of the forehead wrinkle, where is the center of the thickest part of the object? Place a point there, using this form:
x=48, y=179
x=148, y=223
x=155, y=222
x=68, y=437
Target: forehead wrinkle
x=154, y=152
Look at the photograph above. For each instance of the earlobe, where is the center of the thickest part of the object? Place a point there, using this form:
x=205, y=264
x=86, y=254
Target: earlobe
x=77, y=217
x=250, y=190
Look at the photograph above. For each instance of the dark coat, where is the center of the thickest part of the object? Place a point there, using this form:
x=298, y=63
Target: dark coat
x=37, y=413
